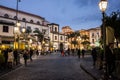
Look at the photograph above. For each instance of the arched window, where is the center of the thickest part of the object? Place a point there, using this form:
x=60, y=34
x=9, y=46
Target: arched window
x=6, y=16
x=15, y=17
x=38, y=22
x=31, y=21
x=23, y=19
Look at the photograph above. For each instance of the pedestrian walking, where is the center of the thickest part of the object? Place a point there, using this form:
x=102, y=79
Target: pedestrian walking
x=62, y=53
x=68, y=51
x=10, y=59
x=94, y=56
x=15, y=53
x=83, y=53
x=25, y=56
x=2, y=60
x=31, y=54
x=110, y=59
x=6, y=57
x=78, y=53
x=37, y=52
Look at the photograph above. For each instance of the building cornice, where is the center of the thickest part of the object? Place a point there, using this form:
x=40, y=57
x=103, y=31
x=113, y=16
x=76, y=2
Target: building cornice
x=22, y=12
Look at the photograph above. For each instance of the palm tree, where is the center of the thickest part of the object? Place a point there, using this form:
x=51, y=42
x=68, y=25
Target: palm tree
x=84, y=37
x=28, y=30
x=70, y=36
x=75, y=35
x=85, y=40
x=39, y=34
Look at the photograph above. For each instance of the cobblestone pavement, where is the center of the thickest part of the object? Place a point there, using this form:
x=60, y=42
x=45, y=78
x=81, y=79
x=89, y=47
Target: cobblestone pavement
x=50, y=67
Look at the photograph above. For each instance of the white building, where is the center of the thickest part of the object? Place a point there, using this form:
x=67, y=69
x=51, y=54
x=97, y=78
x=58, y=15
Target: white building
x=94, y=36
x=8, y=20
x=57, y=40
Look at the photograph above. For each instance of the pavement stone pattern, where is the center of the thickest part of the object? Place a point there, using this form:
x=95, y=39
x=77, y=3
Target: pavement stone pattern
x=87, y=65
x=50, y=67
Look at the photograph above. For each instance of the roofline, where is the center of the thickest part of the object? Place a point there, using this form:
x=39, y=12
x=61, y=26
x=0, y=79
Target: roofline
x=53, y=24
x=21, y=12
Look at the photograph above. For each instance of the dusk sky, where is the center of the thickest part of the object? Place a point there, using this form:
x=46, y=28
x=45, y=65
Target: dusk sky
x=78, y=14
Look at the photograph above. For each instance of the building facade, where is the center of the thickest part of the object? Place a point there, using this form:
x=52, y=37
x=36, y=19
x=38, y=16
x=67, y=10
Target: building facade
x=95, y=35
x=57, y=39
x=8, y=20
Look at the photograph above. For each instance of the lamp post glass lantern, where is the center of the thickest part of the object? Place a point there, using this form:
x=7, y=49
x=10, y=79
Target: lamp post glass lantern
x=103, y=7
x=23, y=30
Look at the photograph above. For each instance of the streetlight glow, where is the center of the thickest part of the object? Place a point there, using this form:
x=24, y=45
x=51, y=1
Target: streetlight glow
x=16, y=29
x=103, y=5
x=23, y=29
x=18, y=24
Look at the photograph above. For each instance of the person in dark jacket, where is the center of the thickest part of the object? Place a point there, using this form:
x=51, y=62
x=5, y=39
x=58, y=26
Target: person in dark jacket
x=78, y=53
x=110, y=59
x=31, y=54
x=94, y=56
x=15, y=53
x=83, y=53
x=6, y=57
x=25, y=56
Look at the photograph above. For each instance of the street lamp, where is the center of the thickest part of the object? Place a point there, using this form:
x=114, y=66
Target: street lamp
x=16, y=31
x=23, y=30
x=103, y=7
x=79, y=41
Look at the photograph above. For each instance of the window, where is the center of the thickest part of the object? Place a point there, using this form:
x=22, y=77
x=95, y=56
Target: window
x=50, y=28
x=15, y=17
x=61, y=38
x=55, y=37
x=92, y=34
x=5, y=28
x=6, y=16
x=38, y=22
x=98, y=34
x=55, y=29
x=93, y=41
x=23, y=19
x=31, y=21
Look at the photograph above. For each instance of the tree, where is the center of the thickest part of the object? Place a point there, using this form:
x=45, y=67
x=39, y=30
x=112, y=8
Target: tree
x=84, y=37
x=114, y=22
x=28, y=30
x=39, y=34
x=74, y=36
x=85, y=42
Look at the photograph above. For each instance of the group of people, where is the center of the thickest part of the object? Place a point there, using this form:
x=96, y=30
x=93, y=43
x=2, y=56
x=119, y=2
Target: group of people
x=105, y=59
x=10, y=57
x=79, y=53
x=72, y=52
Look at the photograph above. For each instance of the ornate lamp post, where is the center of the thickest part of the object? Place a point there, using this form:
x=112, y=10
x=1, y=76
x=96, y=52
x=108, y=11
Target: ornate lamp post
x=103, y=7
x=16, y=32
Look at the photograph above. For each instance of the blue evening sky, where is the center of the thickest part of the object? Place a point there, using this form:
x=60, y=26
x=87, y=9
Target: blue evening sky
x=78, y=14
